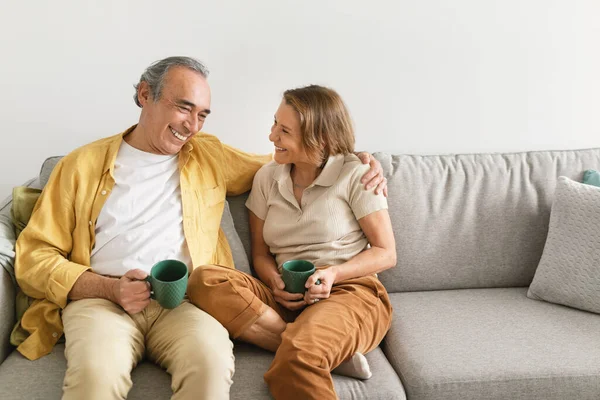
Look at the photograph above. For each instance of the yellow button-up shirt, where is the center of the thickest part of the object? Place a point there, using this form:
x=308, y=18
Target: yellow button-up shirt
x=55, y=247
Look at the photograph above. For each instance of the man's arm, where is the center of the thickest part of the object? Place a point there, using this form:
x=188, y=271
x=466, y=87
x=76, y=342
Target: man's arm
x=240, y=168
x=130, y=291
x=41, y=265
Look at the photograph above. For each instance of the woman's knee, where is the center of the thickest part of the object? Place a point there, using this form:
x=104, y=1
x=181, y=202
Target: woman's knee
x=204, y=284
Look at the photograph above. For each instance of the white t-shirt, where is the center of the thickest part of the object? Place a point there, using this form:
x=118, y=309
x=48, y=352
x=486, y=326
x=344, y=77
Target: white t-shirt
x=141, y=222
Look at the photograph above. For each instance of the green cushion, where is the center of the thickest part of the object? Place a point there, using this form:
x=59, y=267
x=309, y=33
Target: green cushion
x=591, y=177
x=23, y=202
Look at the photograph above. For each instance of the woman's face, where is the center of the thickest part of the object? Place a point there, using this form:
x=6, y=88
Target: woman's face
x=287, y=137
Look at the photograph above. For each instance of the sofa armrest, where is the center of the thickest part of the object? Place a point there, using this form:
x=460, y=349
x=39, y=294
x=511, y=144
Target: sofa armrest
x=7, y=313
x=7, y=279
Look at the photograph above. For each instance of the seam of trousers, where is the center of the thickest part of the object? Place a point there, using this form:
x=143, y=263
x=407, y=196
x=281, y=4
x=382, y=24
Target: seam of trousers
x=330, y=351
x=237, y=327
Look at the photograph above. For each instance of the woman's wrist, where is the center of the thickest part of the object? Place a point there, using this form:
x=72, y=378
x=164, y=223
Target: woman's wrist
x=335, y=272
x=272, y=276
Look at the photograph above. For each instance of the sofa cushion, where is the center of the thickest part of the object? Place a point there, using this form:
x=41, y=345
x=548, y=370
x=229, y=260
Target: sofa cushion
x=239, y=212
x=492, y=344
x=42, y=379
x=23, y=201
x=569, y=271
x=240, y=257
x=473, y=221
x=591, y=177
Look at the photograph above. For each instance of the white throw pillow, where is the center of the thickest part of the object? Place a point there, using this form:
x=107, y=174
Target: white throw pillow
x=569, y=270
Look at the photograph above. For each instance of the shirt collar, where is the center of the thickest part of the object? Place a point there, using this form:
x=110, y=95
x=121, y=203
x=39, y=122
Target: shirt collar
x=327, y=177
x=115, y=144
x=113, y=149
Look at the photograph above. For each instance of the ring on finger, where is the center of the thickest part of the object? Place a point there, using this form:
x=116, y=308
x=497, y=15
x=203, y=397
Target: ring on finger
x=315, y=300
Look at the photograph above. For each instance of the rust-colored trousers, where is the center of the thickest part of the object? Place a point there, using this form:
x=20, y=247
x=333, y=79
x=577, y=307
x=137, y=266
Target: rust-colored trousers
x=355, y=318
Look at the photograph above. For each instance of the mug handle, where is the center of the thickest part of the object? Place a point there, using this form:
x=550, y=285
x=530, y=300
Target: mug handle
x=148, y=279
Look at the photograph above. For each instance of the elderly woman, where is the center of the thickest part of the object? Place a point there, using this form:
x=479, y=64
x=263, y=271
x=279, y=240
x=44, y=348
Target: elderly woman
x=309, y=204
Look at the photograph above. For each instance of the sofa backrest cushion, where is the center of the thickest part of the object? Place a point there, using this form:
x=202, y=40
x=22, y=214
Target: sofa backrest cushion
x=240, y=257
x=473, y=221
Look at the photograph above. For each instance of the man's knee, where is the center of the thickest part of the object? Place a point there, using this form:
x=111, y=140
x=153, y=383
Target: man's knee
x=97, y=379
x=204, y=363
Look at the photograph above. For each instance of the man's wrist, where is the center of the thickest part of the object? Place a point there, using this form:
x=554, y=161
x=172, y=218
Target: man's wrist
x=111, y=287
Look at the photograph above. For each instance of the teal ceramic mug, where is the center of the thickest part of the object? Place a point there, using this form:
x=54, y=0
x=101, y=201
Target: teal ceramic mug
x=168, y=280
x=295, y=273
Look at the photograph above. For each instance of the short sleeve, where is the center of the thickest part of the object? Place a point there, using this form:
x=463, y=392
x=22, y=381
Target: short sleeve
x=257, y=200
x=363, y=201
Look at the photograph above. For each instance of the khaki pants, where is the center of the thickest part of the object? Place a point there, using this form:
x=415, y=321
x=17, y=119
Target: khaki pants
x=104, y=343
x=355, y=318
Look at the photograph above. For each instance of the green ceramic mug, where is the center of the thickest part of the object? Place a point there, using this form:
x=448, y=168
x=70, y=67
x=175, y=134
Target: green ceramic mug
x=168, y=280
x=295, y=273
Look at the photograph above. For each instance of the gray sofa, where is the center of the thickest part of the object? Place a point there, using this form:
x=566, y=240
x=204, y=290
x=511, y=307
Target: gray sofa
x=470, y=231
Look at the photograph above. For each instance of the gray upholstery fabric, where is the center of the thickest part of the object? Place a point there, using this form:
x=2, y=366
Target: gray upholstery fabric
x=239, y=212
x=46, y=170
x=7, y=312
x=473, y=221
x=569, y=271
x=7, y=238
x=492, y=344
x=42, y=379
x=240, y=257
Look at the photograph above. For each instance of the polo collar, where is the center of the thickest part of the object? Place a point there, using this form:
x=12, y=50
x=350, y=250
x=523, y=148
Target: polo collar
x=327, y=177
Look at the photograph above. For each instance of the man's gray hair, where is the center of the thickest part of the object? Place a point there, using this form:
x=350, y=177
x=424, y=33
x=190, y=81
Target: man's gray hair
x=156, y=72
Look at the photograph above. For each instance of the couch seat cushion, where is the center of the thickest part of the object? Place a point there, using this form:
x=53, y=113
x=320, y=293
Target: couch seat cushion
x=42, y=379
x=492, y=344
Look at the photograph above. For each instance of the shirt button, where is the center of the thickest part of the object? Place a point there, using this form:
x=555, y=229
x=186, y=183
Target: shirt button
x=91, y=223
x=54, y=334
x=103, y=192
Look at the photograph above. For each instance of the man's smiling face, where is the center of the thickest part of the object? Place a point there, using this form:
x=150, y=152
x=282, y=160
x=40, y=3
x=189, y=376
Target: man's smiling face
x=172, y=120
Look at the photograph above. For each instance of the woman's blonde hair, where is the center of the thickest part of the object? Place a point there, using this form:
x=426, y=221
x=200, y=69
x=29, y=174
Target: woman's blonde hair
x=325, y=123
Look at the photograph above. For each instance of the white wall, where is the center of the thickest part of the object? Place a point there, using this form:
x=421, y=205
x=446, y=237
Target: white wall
x=427, y=76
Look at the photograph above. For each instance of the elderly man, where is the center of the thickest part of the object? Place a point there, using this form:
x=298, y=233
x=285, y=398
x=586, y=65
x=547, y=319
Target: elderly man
x=111, y=210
